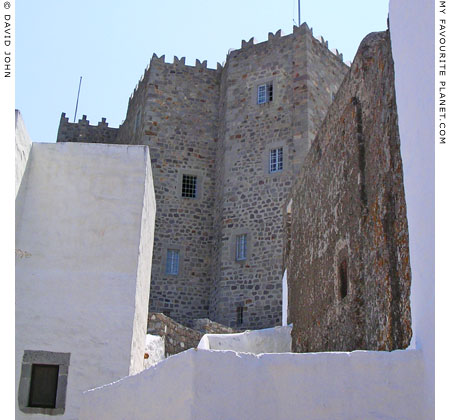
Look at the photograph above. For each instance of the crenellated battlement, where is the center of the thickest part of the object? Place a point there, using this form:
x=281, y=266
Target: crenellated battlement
x=83, y=132
x=278, y=35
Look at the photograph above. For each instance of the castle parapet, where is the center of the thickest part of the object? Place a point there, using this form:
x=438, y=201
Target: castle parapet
x=83, y=132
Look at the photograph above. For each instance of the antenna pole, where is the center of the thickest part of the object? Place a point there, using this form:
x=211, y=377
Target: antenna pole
x=78, y=96
x=299, y=21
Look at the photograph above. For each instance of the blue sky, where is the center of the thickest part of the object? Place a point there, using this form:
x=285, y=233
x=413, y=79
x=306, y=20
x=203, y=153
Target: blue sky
x=110, y=43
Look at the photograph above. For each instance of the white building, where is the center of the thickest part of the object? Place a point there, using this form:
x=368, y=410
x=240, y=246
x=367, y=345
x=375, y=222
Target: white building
x=84, y=237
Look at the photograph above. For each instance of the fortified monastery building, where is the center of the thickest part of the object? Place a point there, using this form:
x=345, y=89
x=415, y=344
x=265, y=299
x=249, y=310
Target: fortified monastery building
x=225, y=146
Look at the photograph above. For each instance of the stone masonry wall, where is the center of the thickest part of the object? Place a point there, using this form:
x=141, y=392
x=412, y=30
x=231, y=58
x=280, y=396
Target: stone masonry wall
x=181, y=116
x=249, y=199
x=207, y=123
x=178, y=337
x=82, y=132
x=346, y=246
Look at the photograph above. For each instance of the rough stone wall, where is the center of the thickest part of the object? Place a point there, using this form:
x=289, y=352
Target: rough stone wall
x=348, y=258
x=181, y=114
x=132, y=129
x=206, y=326
x=249, y=198
x=82, y=132
x=179, y=337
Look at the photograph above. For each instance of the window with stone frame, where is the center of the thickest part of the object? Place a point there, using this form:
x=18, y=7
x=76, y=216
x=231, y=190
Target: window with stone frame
x=43, y=382
x=189, y=186
x=241, y=247
x=264, y=93
x=276, y=160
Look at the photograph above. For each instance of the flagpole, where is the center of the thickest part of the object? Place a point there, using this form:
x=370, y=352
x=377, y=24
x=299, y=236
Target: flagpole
x=78, y=96
x=299, y=21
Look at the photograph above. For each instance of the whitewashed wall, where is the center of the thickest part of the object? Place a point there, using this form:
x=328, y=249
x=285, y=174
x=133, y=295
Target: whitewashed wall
x=412, y=36
x=23, y=147
x=268, y=340
x=84, y=249
x=154, y=349
x=224, y=385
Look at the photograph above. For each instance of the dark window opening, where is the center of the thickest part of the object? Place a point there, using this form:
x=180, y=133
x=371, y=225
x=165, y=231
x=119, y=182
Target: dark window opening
x=43, y=386
x=239, y=315
x=189, y=186
x=343, y=279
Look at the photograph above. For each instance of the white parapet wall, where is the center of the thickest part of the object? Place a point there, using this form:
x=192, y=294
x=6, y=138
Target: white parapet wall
x=154, y=350
x=412, y=37
x=268, y=340
x=83, y=258
x=23, y=147
x=225, y=385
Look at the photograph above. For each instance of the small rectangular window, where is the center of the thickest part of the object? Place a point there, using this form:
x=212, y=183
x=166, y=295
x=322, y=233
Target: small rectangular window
x=241, y=247
x=172, y=261
x=43, y=386
x=265, y=93
x=189, y=186
x=276, y=160
x=43, y=382
x=239, y=315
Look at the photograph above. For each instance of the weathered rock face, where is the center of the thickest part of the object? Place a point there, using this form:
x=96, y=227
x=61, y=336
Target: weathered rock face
x=346, y=245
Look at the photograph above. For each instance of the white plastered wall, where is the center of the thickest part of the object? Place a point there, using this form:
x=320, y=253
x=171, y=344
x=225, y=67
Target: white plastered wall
x=268, y=340
x=225, y=385
x=412, y=37
x=23, y=147
x=83, y=250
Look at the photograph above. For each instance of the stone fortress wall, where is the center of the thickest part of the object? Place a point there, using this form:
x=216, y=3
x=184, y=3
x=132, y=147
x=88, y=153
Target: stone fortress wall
x=83, y=132
x=347, y=252
x=249, y=198
x=207, y=123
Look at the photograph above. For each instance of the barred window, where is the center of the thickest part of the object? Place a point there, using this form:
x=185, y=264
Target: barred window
x=173, y=261
x=276, y=160
x=241, y=247
x=265, y=93
x=189, y=186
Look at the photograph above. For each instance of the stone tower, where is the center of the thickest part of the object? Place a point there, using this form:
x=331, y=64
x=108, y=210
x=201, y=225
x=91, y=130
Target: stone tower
x=226, y=145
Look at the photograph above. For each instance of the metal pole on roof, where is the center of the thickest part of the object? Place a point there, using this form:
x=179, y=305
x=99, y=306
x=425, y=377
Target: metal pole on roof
x=78, y=96
x=299, y=21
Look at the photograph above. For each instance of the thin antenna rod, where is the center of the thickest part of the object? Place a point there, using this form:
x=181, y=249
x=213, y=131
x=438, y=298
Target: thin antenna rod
x=78, y=97
x=299, y=21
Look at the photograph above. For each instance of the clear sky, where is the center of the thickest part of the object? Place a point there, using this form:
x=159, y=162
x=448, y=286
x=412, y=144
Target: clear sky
x=111, y=42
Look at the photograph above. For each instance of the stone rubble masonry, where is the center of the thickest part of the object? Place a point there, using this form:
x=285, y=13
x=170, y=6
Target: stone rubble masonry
x=206, y=122
x=346, y=239
x=178, y=337
x=83, y=132
x=249, y=199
